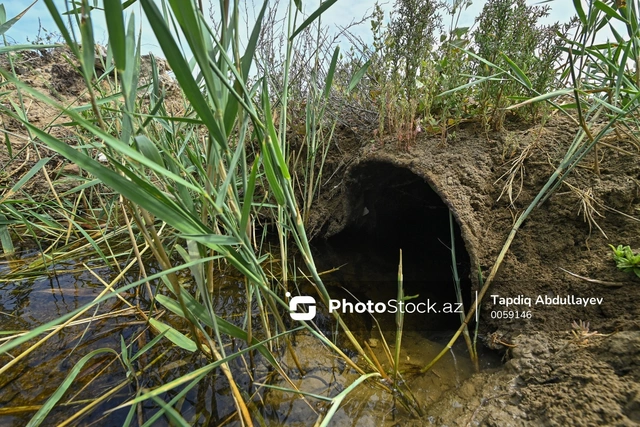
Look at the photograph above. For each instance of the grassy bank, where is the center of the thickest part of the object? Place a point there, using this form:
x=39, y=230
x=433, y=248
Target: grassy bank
x=198, y=172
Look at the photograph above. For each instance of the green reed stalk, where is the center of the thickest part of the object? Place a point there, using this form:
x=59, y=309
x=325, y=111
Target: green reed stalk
x=458, y=288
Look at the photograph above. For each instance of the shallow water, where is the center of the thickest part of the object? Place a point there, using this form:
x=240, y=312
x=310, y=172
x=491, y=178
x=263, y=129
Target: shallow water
x=31, y=302
x=27, y=303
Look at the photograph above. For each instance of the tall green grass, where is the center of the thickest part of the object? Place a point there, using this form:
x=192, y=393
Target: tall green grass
x=191, y=188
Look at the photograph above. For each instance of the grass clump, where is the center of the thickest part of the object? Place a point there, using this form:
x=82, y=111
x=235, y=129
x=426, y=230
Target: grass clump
x=508, y=33
x=626, y=260
x=426, y=78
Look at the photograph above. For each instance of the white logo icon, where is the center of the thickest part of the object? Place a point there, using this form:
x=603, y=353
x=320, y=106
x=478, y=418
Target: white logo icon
x=293, y=306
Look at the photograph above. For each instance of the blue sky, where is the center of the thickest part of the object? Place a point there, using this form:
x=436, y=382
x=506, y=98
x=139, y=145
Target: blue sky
x=341, y=14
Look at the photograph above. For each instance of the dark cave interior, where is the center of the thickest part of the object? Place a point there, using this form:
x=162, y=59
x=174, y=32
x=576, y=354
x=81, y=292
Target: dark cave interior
x=391, y=209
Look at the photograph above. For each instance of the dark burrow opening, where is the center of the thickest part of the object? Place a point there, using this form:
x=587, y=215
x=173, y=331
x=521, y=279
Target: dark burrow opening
x=391, y=208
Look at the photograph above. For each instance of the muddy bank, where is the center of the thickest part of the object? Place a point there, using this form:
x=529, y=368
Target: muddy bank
x=592, y=379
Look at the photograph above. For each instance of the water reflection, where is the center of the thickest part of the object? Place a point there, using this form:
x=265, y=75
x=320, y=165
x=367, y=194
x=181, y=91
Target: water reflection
x=33, y=301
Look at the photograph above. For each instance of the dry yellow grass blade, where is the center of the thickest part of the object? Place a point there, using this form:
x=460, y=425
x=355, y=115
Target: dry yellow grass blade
x=57, y=329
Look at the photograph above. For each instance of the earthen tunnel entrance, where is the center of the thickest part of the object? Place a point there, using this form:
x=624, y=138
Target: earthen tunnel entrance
x=392, y=208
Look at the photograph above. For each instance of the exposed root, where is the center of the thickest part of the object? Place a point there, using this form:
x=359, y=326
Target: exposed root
x=587, y=206
x=515, y=173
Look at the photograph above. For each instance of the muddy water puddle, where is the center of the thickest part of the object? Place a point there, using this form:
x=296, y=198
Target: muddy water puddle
x=30, y=302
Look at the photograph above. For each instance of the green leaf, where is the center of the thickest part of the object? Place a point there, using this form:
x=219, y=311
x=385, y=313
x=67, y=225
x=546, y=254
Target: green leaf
x=115, y=27
x=30, y=47
x=514, y=67
x=272, y=138
x=223, y=190
x=200, y=312
x=4, y=26
x=124, y=353
x=269, y=171
x=330, y=72
x=248, y=195
x=5, y=237
x=91, y=241
x=39, y=417
x=336, y=401
x=460, y=31
x=608, y=106
x=177, y=396
x=176, y=337
x=470, y=84
x=611, y=13
x=542, y=97
x=77, y=10
x=101, y=101
x=358, y=76
x=620, y=77
x=212, y=239
x=34, y=169
x=249, y=53
x=172, y=415
x=148, y=346
x=580, y=11
x=319, y=11
x=88, y=57
x=148, y=149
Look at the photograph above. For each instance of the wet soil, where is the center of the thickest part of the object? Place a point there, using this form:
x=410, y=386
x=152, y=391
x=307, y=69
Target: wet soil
x=587, y=380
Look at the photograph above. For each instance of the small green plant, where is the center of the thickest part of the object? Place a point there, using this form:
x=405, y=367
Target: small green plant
x=402, y=67
x=626, y=260
x=507, y=32
x=453, y=67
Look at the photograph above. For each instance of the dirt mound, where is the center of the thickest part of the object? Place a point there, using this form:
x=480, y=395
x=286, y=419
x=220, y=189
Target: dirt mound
x=560, y=258
x=55, y=73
